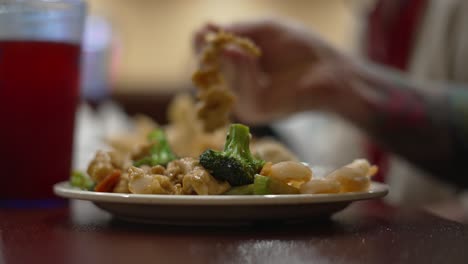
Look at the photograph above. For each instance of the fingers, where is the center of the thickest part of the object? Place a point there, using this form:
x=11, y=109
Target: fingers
x=245, y=78
x=199, y=36
x=254, y=30
x=246, y=29
x=240, y=69
x=261, y=98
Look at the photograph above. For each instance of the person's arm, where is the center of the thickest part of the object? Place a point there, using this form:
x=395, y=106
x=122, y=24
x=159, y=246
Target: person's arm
x=426, y=125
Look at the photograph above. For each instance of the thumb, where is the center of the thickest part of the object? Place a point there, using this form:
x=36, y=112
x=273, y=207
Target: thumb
x=199, y=36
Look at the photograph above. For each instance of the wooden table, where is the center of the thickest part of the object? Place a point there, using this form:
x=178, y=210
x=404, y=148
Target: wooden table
x=366, y=232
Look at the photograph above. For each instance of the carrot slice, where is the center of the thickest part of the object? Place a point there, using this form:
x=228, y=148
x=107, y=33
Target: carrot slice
x=109, y=182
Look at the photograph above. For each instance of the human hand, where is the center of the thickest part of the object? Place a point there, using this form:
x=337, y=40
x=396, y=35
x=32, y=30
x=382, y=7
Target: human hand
x=297, y=70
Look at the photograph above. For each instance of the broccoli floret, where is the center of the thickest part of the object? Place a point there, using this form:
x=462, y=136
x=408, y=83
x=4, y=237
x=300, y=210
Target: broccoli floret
x=81, y=180
x=160, y=152
x=235, y=164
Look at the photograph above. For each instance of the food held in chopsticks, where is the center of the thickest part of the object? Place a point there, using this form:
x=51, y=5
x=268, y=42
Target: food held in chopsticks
x=217, y=100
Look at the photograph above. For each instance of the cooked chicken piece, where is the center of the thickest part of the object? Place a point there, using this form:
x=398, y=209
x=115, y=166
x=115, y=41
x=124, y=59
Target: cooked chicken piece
x=120, y=160
x=141, y=182
x=140, y=151
x=355, y=176
x=201, y=182
x=178, y=189
x=194, y=178
x=125, y=142
x=184, y=128
x=122, y=185
x=100, y=167
x=215, y=108
x=177, y=169
x=217, y=100
x=320, y=185
x=158, y=169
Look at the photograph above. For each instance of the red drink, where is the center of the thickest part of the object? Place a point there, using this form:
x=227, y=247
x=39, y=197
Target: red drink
x=38, y=97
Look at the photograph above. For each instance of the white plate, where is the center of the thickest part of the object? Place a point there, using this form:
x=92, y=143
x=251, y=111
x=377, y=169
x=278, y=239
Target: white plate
x=219, y=209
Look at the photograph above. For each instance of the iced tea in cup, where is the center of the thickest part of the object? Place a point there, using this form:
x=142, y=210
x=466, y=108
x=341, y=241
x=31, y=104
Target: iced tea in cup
x=39, y=90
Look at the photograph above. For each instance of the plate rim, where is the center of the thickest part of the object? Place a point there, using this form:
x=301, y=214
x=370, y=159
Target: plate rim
x=64, y=190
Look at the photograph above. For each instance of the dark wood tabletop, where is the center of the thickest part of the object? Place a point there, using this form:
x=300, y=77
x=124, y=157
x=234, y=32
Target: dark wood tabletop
x=365, y=232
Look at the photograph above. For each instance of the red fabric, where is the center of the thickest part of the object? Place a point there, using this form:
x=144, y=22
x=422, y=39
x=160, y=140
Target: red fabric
x=392, y=27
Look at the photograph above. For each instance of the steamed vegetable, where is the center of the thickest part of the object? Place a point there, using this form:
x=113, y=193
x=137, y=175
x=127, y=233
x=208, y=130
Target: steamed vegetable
x=160, y=152
x=109, y=182
x=241, y=190
x=263, y=185
x=268, y=185
x=81, y=180
x=235, y=164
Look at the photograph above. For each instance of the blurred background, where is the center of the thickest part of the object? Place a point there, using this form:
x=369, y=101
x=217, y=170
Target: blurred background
x=150, y=40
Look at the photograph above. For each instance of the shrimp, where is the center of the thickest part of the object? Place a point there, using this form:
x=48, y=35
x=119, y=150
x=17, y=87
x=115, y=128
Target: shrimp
x=201, y=182
x=354, y=177
x=100, y=166
x=122, y=185
x=272, y=150
x=290, y=172
x=266, y=169
x=350, y=179
x=316, y=186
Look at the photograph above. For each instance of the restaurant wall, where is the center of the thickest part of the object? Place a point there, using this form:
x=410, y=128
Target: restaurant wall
x=151, y=38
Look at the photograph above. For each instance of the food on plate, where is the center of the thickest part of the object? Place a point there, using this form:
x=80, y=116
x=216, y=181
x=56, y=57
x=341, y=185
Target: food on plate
x=81, y=180
x=141, y=181
x=186, y=136
x=320, y=185
x=108, y=183
x=235, y=164
x=197, y=153
x=268, y=185
x=272, y=150
x=291, y=172
x=263, y=185
x=158, y=152
x=155, y=169
x=126, y=141
x=353, y=177
x=217, y=100
x=181, y=176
